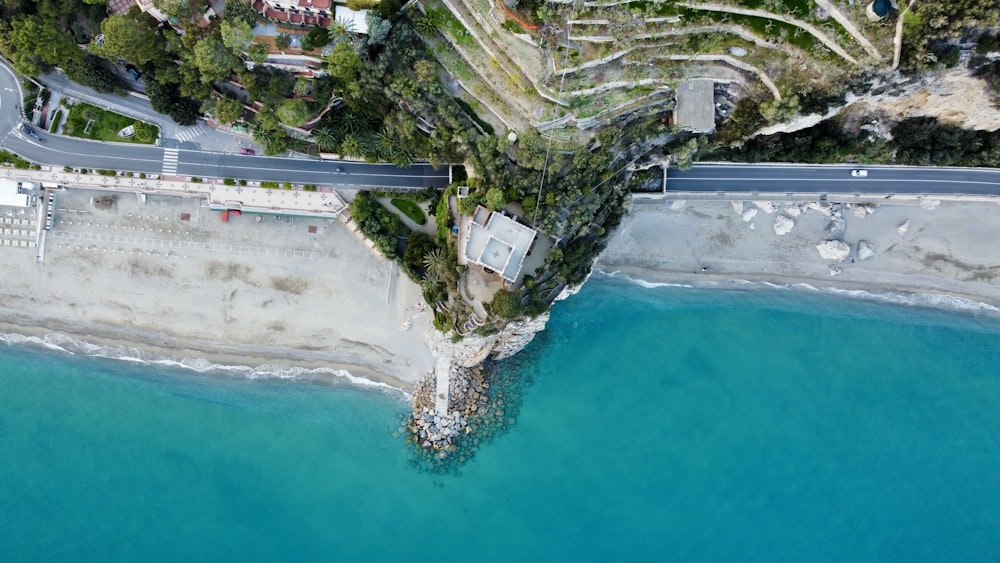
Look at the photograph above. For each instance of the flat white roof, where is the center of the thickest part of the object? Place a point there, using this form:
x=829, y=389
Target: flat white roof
x=10, y=196
x=500, y=243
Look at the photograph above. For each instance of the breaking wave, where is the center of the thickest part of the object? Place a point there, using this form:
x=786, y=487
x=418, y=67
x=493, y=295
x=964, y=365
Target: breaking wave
x=72, y=346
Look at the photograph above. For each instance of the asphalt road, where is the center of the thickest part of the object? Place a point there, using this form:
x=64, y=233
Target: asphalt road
x=795, y=178
x=62, y=151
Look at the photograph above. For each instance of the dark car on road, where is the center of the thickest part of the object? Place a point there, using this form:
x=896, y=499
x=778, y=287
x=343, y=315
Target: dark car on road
x=24, y=129
x=133, y=72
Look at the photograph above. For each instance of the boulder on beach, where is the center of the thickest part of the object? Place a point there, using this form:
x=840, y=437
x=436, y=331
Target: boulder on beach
x=866, y=250
x=765, y=206
x=823, y=208
x=862, y=210
x=836, y=250
x=903, y=227
x=783, y=225
x=835, y=228
x=835, y=270
x=793, y=210
x=737, y=207
x=749, y=214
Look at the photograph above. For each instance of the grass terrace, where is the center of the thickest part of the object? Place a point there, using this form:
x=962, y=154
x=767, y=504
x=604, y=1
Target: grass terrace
x=91, y=122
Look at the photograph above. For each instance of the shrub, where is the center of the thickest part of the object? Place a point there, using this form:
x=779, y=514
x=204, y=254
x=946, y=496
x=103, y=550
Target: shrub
x=229, y=181
x=107, y=172
x=267, y=184
x=506, y=304
x=287, y=185
x=309, y=187
x=243, y=182
x=196, y=180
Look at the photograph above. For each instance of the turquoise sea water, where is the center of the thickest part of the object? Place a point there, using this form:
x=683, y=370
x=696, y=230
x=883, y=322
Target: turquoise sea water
x=664, y=424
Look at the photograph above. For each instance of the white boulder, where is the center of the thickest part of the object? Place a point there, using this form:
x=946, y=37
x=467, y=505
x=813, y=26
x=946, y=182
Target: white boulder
x=823, y=208
x=737, y=207
x=793, y=210
x=930, y=204
x=749, y=214
x=765, y=206
x=783, y=225
x=903, y=227
x=866, y=250
x=835, y=270
x=836, y=250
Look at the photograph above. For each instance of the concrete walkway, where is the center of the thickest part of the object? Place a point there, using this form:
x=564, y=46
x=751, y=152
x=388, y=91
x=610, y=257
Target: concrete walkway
x=442, y=381
x=253, y=199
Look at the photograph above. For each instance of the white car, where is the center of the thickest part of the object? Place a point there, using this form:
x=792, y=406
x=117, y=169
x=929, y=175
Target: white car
x=859, y=173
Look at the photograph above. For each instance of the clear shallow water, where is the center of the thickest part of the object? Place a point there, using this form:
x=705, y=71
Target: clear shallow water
x=656, y=424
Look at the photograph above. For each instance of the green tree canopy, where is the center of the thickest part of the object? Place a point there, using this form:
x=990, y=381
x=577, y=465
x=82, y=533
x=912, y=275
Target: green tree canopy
x=227, y=110
x=345, y=63
x=213, y=60
x=236, y=35
x=240, y=11
x=32, y=43
x=127, y=38
x=293, y=112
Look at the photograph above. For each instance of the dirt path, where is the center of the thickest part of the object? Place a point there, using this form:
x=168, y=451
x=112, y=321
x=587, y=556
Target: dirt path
x=847, y=24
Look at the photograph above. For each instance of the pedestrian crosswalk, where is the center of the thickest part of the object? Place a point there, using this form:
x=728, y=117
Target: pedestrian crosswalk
x=170, y=161
x=189, y=133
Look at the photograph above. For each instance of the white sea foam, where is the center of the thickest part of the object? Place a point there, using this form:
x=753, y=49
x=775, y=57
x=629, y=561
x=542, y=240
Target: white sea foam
x=68, y=345
x=640, y=282
x=926, y=300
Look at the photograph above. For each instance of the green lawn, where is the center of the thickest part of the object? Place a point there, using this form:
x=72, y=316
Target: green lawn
x=105, y=125
x=410, y=209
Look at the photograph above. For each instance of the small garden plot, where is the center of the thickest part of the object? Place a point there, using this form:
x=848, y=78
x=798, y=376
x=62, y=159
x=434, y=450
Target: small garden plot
x=410, y=209
x=90, y=122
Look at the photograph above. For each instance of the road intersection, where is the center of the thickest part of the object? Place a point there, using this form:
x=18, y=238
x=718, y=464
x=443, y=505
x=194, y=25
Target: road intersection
x=186, y=158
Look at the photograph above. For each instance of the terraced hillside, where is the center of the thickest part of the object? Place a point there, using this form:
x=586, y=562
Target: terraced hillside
x=569, y=66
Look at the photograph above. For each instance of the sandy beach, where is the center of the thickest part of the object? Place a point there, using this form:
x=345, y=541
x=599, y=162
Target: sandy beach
x=938, y=248
x=166, y=279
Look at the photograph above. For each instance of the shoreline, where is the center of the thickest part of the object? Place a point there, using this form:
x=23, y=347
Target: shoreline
x=251, y=361
x=937, y=256
x=163, y=280
x=908, y=296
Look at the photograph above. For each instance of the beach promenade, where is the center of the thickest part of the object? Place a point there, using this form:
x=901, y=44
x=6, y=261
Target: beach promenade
x=252, y=198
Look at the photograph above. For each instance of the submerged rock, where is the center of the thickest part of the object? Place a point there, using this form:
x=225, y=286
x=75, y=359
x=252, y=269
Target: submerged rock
x=836, y=250
x=866, y=250
x=783, y=225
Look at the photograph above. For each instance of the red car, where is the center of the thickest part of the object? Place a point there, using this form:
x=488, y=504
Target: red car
x=247, y=151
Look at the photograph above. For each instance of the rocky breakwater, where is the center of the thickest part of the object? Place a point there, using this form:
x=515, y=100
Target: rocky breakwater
x=470, y=400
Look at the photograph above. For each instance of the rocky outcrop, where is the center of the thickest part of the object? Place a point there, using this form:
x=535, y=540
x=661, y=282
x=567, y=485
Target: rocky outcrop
x=783, y=225
x=836, y=250
x=765, y=206
x=866, y=250
x=749, y=214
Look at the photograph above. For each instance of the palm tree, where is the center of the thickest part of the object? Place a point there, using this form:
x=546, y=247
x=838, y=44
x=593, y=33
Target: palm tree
x=402, y=159
x=350, y=146
x=426, y=24
x=263, y=136
x=436, y=265
x=325, y=138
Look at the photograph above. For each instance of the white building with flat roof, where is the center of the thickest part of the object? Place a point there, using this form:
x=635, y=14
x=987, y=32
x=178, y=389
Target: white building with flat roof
x=498, y=243
x=11, y=196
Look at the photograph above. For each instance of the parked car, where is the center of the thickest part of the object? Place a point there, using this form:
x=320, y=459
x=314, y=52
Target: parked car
x=859, y=173
x=23, y=128
x=247, y=151
x=133, y=72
